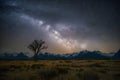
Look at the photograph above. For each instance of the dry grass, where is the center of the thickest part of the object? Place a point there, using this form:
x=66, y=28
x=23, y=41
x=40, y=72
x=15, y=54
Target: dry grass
x=60, y=70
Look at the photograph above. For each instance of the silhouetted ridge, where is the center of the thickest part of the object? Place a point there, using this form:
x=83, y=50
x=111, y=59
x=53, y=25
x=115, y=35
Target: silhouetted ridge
x=21, y=56
x=117, y=55
x=90, y=55
x=13, y=56
x=78, y=55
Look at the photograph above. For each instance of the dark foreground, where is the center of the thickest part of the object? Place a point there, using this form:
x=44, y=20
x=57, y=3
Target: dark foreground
x=60, y=70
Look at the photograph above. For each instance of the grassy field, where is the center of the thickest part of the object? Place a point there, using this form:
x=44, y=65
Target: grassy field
x=60, y=70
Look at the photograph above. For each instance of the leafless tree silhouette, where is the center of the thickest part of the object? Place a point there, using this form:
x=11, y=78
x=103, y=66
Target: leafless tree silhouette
x=36, y=46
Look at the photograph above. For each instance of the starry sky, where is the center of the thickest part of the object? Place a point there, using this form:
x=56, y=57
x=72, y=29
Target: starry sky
x=66, y=25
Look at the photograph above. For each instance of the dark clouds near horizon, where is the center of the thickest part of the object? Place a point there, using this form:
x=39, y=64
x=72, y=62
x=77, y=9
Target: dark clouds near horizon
x=82, y=24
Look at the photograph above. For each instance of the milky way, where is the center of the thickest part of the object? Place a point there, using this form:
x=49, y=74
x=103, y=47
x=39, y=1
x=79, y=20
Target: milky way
x=66, y=25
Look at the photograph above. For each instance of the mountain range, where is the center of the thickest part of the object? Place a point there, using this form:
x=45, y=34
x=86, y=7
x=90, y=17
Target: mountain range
x=78, y=55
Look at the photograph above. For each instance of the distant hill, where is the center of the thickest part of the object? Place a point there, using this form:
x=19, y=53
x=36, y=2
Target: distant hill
x=13, y=56
x=90, y=55
x=79, y=55
x=117, y=55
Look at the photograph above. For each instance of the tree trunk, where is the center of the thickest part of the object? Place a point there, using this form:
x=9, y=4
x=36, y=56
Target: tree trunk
x=35, y=57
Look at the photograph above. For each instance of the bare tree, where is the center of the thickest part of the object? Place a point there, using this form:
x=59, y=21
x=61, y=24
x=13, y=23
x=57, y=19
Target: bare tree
x=36, y=46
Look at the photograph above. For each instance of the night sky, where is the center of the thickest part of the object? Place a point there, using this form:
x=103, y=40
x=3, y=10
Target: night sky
x=66, y=25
